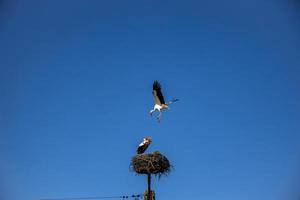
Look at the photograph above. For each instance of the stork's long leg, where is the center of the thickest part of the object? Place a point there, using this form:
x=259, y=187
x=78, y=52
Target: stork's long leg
x=152, y=111
x=159, y=116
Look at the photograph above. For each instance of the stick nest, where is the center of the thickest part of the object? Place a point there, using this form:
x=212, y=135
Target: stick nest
x=152, y=163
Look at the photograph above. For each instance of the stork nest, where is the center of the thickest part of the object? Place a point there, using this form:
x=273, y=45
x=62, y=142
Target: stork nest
x=152, y=163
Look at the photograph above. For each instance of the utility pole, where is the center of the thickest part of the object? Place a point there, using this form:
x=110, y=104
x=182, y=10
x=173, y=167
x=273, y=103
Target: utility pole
x=149, y=194
x=149, y=187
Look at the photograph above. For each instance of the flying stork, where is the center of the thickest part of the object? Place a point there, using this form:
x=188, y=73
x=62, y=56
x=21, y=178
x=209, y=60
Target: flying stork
x=160, y=104
x=144, y=145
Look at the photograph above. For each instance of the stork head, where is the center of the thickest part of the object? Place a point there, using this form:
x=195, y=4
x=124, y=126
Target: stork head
x=147, y=140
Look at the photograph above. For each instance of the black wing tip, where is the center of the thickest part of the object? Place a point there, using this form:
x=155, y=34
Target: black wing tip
x=156, y=85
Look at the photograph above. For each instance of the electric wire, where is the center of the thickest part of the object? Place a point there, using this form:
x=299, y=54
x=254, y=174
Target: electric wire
x=107, y=197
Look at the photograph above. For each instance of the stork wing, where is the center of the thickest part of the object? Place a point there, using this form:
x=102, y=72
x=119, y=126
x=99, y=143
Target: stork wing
x=142, y=148
x=158, y=97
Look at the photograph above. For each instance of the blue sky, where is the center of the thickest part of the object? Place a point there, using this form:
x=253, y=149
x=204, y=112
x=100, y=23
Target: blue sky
x=75, y=82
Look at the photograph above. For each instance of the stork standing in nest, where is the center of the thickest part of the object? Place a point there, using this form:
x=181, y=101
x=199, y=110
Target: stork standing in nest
x=144, y=145
x=160, y=104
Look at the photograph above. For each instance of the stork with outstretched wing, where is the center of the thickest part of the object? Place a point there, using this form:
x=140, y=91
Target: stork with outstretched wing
x=160, y=104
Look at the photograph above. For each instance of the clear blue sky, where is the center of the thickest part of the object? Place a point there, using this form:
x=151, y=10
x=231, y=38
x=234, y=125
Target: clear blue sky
x=75, y=86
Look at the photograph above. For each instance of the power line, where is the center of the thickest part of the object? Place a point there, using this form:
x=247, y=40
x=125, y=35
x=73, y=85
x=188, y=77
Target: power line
x=87, y=198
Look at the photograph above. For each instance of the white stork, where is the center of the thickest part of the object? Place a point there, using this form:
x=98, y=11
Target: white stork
x=160, y=104
x=144, y=145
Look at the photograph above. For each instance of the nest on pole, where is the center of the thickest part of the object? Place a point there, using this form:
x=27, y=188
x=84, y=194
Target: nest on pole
x=152, y=163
